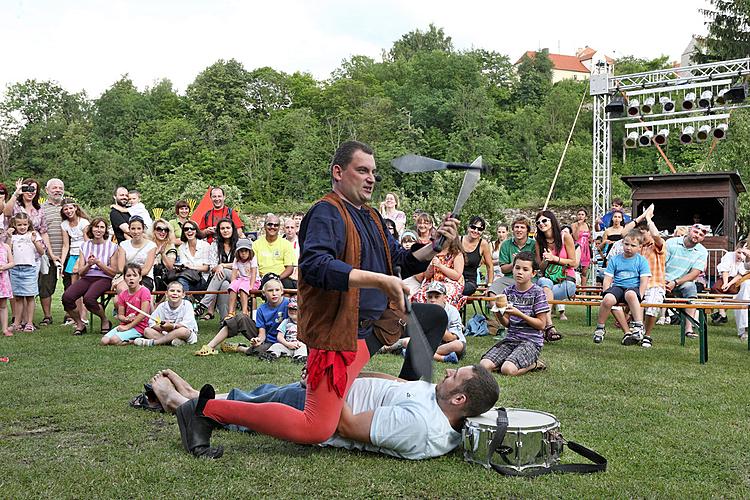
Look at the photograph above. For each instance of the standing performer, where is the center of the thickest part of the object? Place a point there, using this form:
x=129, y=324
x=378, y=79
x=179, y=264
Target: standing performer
x=346, y=283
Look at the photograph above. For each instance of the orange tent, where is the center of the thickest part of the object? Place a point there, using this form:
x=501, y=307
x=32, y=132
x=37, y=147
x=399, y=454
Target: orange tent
x=204, y=206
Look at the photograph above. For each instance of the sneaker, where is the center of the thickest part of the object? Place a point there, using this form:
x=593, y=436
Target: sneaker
x=629, y=339
x=140, y=341
x=743, y=337
x=451, y=358
x=69, y=322
x=723, y=320
x=715, y=318
x=599, y=335
x=636, y=331
x=662, y=321
x=646, y=342
x=177, y=342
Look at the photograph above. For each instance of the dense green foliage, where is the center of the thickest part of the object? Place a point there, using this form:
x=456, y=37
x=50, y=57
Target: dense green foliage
x=268, y=135
x=728, y=37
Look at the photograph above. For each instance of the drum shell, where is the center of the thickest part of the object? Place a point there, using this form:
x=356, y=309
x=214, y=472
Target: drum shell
x=531, y=446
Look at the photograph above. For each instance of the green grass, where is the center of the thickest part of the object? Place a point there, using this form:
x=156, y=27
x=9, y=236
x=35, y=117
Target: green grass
x=669, y=426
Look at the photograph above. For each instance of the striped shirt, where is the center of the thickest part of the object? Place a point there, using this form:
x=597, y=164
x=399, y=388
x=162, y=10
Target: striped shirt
x=655, y=260
x=102, y=251
x=54, y=231
x=680, y=259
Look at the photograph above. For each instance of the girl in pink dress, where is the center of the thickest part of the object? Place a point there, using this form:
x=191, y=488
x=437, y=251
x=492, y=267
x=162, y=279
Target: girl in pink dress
x=244, y=276
x=446, y=267
x=6, y=262
x=582, y=236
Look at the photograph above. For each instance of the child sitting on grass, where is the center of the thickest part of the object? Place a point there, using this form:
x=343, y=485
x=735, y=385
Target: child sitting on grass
x=625, y=280
x=244, y=272
x=453, y=346
x=173, y=321
x=261, y=333
x=522, y=308
x=132, y=322
x=287, y=344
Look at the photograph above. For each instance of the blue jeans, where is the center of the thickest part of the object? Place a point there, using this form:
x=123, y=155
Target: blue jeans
x=687, y=290
x=291, y=395
x=560, y=291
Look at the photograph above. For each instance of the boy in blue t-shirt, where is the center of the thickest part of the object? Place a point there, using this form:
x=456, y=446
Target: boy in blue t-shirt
x=625, y=280
x=522, y=309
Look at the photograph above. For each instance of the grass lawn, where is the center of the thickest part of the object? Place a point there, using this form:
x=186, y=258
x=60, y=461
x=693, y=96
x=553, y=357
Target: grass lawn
x=669, y=426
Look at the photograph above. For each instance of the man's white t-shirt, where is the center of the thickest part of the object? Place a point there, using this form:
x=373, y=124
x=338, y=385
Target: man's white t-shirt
x=408, y=423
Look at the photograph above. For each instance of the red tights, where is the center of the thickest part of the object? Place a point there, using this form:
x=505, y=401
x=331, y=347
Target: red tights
x=314, y=425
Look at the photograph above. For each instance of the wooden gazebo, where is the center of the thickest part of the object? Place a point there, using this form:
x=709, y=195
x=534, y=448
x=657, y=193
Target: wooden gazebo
x=682, y=199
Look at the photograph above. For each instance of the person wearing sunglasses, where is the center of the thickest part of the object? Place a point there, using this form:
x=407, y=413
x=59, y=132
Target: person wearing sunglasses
x=166, y=253
x=192, y=258
x=25, y=199
x=556, y=255
x=275, y=254
x=478, y=252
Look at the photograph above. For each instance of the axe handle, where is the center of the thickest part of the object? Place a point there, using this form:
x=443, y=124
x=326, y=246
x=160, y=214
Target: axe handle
x=439, y=243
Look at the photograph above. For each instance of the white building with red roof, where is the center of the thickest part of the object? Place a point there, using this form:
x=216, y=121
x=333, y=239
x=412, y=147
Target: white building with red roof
x=577, y=67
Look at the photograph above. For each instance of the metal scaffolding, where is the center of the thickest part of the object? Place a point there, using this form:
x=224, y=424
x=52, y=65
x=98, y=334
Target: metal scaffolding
x=604, y=85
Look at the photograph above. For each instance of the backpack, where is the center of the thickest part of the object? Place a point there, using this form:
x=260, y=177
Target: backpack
x=477, y=326
x=208, y=212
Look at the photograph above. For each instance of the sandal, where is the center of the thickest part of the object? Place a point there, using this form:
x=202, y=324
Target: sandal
x=206, y=351
x=46, y=321
x=207, y=317
x=103, y=330
x=79, y=331
x=539, y=367
x=30, y=328
x=199, y=309
x=143, y=402
x=551, y=334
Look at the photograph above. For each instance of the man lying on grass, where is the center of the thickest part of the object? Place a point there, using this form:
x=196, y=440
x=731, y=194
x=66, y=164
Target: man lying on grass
x=382, y=414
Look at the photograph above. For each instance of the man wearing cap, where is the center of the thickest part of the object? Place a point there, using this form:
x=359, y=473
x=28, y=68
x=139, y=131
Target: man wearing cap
x=453, y=346
x=686, y=260
x=346, y=281
x=275, y=254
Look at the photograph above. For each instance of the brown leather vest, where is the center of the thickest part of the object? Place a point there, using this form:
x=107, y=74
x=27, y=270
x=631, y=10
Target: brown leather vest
x=329, y=319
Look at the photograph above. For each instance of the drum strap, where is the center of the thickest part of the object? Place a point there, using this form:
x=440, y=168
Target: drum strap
x=496, y=446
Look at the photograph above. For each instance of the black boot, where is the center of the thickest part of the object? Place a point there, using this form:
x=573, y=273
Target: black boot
x=195, y=430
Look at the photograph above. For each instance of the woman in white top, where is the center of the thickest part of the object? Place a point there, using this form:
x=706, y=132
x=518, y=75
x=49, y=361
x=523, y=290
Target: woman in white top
x=138, y=249
x=389, y=210
x=731, y=269
x=192, y=258
x=166, y=253
x=74, y=224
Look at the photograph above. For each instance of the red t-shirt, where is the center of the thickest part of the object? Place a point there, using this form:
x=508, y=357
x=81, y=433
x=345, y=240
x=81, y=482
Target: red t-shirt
x=213, y=216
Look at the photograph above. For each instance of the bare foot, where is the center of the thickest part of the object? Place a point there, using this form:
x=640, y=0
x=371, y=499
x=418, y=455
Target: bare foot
x=180, y=384
x=168, y=396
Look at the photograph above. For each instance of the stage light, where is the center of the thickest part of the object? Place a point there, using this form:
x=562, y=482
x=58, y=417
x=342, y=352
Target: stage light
x=688, y=102
x=686, y=137
x=633, y=107
x=706, y=98
x=648, y=105
x=631, y=140
x=719, y=132
x=645, y=138
x=616, y=105
x=736, y=94
x=667, y=104
x=703, y=133
x=661, y=137
x=720, y=99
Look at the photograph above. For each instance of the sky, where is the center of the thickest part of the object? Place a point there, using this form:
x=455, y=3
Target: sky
x=88, y=44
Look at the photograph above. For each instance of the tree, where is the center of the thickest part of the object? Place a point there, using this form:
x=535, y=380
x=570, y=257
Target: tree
x=534, y=78
x=420, y=41
x=630, y=64
x=728, y=31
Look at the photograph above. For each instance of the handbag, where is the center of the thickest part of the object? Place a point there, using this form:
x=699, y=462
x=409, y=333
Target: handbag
x=733, y=290
x=555, y=272
x=390, y=327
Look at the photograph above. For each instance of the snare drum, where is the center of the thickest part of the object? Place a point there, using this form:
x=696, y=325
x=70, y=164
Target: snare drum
x=532, y=440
